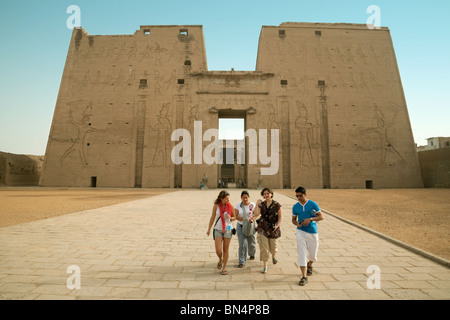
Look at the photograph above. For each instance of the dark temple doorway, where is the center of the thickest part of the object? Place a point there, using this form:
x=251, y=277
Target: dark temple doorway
x=232, y=173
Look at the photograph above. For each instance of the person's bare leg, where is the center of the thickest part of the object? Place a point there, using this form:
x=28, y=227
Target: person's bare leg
x=303, y=270
x=309, y=266
x=226, y=245
x=218, y=245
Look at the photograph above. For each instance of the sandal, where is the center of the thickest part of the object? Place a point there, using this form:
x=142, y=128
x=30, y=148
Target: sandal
x=224, y=272
x=274, y=261
x=264, y=271
x=309, y=271
x=219, y=265
x=303, y=281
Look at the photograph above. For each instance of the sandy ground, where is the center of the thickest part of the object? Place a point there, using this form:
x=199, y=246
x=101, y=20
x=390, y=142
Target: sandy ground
x=19, y=205
x=419, y=217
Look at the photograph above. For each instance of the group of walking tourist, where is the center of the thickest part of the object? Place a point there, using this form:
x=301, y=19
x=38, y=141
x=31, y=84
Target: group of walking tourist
x=260, y=222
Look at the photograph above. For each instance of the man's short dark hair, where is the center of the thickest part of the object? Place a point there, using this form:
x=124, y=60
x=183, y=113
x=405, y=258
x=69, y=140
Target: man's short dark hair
x=300, y=190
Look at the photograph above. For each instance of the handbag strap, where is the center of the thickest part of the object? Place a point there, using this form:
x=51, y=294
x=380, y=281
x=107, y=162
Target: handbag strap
x=217, y=218
x=245, y=215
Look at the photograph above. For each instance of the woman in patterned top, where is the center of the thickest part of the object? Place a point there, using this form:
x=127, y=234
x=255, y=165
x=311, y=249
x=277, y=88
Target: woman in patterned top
x=269, y=226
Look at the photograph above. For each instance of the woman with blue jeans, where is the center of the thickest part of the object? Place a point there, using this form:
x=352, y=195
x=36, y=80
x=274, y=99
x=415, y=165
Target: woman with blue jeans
x=247, y=243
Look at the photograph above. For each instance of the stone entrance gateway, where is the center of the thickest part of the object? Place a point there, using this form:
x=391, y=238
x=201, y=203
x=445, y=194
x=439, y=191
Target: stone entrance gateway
x=232, y=172
x=332, y=93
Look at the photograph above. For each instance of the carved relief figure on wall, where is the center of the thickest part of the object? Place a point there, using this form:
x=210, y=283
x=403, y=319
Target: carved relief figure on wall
x=163, y=129
x=306, y=136
x=193, y=115
x=171, y=80
x=383, y=137
x=146, y=53
x=132, y=51
x=272, y=120
x=158, y=51
x=157, y=84
x=78, y=143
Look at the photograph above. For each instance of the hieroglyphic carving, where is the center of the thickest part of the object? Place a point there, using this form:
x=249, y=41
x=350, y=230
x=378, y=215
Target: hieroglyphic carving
x=382, y=136
x=131, y=76
x=146, y=53
x=352, y=54
x=272, y=119
x=97, y=79
x=106, y=81
x=158, y=52
x=154, y=51
x=132, y=51
x=120, y=79
x=307, y=135
x=157, y=84
x=362, y=57
x=83, y=128
x=171, y=79
x=163, y=130
x=193, y=114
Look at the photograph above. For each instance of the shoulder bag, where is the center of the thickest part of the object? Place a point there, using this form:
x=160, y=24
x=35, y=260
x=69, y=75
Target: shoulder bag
x=248, y=228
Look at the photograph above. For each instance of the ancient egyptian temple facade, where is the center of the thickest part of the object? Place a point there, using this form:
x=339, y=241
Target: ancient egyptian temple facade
x=328, y=97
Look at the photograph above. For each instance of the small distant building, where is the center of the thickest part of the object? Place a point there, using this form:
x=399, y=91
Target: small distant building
x=435, y=143
x=19, y=169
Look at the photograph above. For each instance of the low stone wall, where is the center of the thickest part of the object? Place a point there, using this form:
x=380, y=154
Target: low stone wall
x=20, y=170
x=435, y=167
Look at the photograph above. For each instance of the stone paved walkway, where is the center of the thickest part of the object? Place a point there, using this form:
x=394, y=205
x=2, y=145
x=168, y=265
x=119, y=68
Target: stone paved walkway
x=156, y=248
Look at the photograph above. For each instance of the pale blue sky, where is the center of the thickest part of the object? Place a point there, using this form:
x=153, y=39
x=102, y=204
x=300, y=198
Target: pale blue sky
x=35, y=39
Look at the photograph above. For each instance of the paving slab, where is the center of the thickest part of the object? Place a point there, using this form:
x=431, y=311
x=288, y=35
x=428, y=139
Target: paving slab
x=157, y=248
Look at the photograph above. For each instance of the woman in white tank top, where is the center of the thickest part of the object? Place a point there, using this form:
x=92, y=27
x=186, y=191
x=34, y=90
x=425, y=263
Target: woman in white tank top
x=222, y=214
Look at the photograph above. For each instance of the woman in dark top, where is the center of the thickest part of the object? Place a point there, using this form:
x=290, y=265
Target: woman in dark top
x=268, y=227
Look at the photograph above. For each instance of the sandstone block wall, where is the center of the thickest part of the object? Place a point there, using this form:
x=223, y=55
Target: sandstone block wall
x=20, y=170
x=435, y=167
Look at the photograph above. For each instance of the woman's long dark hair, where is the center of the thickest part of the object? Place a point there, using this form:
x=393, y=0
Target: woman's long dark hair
x=245, y=192
x=221, y=195
x=268, y=190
